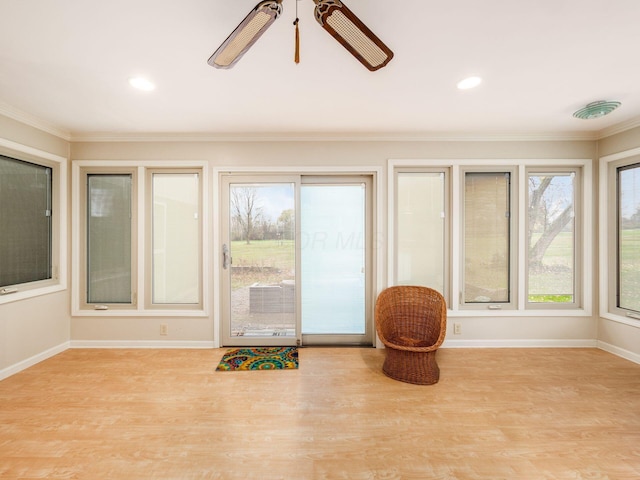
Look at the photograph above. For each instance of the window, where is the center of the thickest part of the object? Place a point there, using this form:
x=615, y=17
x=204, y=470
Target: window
x=551, y=237
x=628, y=237
x=109, y=240
x=620, y=237
x=32, y=222
x=487, y=238
x=421, y=229
x=509, y=235
x=175, y=238
x=25, y=222
x=141, y=237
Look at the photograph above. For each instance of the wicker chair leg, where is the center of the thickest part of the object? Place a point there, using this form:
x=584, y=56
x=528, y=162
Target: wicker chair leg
x=419, y=368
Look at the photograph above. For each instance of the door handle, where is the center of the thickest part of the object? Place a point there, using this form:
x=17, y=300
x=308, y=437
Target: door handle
x=226, y=258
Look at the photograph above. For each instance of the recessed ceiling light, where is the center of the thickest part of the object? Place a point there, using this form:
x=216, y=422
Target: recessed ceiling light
x=468, y=83
x=141, y=83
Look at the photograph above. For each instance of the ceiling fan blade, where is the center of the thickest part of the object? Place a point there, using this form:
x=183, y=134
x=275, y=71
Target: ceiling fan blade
x=354, y=35
x=246, y=34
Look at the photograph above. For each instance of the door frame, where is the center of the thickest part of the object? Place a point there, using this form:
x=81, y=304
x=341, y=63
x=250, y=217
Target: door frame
x=378, y=240
x=226, y=180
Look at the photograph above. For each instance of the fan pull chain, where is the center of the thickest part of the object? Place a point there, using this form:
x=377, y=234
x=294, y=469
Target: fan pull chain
x=296, y=57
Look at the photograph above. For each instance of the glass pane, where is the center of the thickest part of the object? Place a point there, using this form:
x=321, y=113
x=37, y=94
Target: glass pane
x=176, y=238
x=263, y=298
x=25, y=222
x=421, y=229
x=333, y=259
x=109, y=238
x=486, y=237
x=629, y=238
x=551, y=238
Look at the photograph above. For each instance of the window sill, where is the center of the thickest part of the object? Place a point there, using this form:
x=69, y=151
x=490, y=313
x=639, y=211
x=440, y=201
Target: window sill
x=632, y=322
x=578, y=312
x=138, y=313
x=31, y=293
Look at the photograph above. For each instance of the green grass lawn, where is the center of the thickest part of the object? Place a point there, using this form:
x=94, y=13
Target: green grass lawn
x=552, y=285
x=555, y=282
x=264, y=253
x=630, y=269
x=273, y=261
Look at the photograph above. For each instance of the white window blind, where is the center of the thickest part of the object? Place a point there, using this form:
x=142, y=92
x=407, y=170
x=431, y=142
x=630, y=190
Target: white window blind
x=487, y=237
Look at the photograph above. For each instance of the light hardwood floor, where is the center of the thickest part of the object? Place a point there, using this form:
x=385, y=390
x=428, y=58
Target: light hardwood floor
x=166, y=414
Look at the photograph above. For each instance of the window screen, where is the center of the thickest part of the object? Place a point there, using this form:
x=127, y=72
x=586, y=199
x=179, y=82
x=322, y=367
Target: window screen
x=25, y=222
x=551, y=238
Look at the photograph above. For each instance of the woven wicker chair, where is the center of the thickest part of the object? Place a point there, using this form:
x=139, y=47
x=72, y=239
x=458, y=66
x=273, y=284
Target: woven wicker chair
x=411, y=322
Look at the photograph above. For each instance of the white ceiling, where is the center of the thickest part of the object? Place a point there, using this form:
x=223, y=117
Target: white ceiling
x=65, y=64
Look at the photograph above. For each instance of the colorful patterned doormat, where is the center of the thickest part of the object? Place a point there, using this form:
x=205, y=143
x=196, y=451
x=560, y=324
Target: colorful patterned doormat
x=259, y=358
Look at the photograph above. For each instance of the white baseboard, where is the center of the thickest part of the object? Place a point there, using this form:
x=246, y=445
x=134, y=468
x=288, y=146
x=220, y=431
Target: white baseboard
x=515, y=343
x=620, y=352
x=29, y=362
x=140, y=344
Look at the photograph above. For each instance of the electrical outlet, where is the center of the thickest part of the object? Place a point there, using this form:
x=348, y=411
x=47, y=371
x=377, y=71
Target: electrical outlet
x=164, y=329
x=457, y=329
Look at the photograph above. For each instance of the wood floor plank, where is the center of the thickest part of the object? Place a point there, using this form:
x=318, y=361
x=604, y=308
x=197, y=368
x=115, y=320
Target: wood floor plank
x=167, y=414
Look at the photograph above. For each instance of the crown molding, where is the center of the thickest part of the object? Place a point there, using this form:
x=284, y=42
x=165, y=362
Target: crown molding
x=33, y=121
x=335, y=137
x=619, y=128
x=77, y=137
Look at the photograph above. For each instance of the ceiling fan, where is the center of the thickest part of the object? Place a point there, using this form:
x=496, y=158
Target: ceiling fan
x=332, y=15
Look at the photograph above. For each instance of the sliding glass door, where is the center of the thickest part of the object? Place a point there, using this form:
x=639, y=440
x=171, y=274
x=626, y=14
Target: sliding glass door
x=296, y=260
x=334, y=250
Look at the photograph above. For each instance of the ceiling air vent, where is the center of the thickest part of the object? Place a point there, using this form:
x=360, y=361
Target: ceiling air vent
x=596, y=110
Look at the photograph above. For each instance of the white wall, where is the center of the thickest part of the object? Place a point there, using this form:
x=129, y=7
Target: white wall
x=620, y=338
x=35, y=328
x=477, y=331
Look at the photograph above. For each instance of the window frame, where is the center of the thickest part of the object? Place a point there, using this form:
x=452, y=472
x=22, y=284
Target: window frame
x=579, y=233
x=608, y=194
x=513, y=265
x=82, y=245
x=584, y=233
x=141, y=238
x=58, y=166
